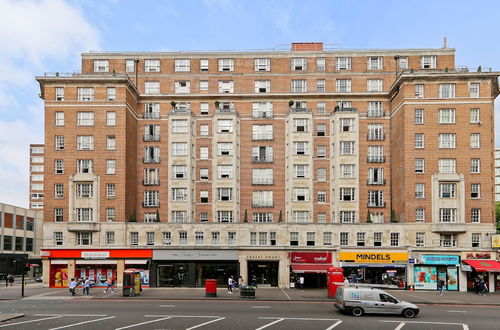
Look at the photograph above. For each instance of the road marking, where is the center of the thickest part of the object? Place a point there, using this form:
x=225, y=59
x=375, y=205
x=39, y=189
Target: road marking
x=464, y=326
x=96, y=315
x=171, y=306
x=300, y=318
x=202, y=324
x=202, y=316
x=286, y=294
x=400, y=326
x=84, y=322
x=457, y=311
x=334, y=325
x=261, y=306
x=30, y=321
x=142, y=323
x=269, y=324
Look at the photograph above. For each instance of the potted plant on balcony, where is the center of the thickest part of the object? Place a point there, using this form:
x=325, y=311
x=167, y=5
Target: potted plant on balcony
x=173, y=103
x=369, y=217
x=291, y=103
x=133, y=216
x=157, y=216
x=217, y=104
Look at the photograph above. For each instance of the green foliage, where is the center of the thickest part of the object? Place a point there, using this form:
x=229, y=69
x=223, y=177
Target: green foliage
x=393, y=216
x=157, y=215
x=280, y=218
x=291, y=103
x=497, y=216
x=133, y=216
x=173, y=103
x=369, y=217
x=245, y=218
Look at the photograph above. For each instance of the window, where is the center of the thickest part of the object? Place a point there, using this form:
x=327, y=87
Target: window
x=179, y=194
x=476, y=239
x=203, y=130
x=474, y=89
x=376, y=154
x=447, y=215
x=294, y=238
x=203, y=196
x=110, y=237
x=299, y=64
x=225, y=194
x=59, y=143
x=343, y=85
x=347, y=147
x=343, y=63
x=58, y=215
x=198, y=237
x=262, y=110
x=110, y=190
x=262, y=217
x=419, y=116
x=475, y=140
x=225, y=171
x=59, y=119
x=301, y=194
x=321, y=175
x=224, y=126
x=262, y=86
x=167, y=238
x=475, y=191
x=320, y=85
x=59, y=93
x=231, y=238
x=320, y=129
x=84, y=238
x=129, y=65
x=347, y=171
x=311, y=238
x=375, y=109
x=420, y=215
x=321, y=152
x=447, y=116
x=110, y=166
x=300, y=216
x=447, y=165
x=394, y=239
x=447, y=141
x=203, y=153
x=376, y=132
x=58, y=238
x=224, y=216
x=224, y=149
x=226, y=64
x=101, y=66
x=262, y=132
x=204, y=85
x=152, y=65
x=84, y=190
x=300, y=125
x=428, y=62
x=374, y=85
x=182, y=65
x=204, y=64
x=344, y=239
x=84, y=166
x=419, y=140
x=263, y=238
x=215, y=238
x=320, y=64
x=300, y=148
x=299, y=86
x=179, y=216
x=376, y=198
x=475, y=165
x=110, y=143
x=474, y=116
x=419, y=190
x=347, y=194
x=360, y=239
x=179, y=171
x=203, y=174
x=447, y=190
x=300, y=171
x=403, y=62
x=179, y=126
x=85, y=118
x=375, y=63
x=37, y=186
x=152, y=111
x=262, y=176
x=346, y=125
x=262, y=64
x=111, y=93
x=447, y=240
x=110, y=214
x=419, y=91
x=110, y=118
x=134, y=238
x=85, y=142
x=347, y=216
x=377, y=239
x=420, y=239
x=321, y=107
x=152, y=87
x=182, y=87
x=327, y=238
x=85, y=94
x=151, y=199
x=150, y=217
x=446, y=91
x=475, y=215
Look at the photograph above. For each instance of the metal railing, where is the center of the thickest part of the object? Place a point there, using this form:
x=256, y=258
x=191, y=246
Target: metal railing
x=382, y=204
x=375, y=137
x=258, y=159
x=147, y=160
x=151, y=138
x=375, y=159
x=378, y=182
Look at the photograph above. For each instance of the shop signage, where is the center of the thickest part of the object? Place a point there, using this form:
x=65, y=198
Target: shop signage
x=495, y=241
x=431, y=259
x=478, y=256
x=95, y=254
x=364, y=257
x=465, y=268
x=195, y=255
x=310, y=258
x=411, y=261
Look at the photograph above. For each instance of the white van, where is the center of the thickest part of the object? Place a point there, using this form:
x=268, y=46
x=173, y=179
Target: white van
x=359, y=301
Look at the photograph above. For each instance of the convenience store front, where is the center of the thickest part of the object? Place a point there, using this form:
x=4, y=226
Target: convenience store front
x=432, y=268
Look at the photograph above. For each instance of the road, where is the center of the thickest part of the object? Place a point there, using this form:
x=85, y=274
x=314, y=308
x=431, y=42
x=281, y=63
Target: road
x=238, y=314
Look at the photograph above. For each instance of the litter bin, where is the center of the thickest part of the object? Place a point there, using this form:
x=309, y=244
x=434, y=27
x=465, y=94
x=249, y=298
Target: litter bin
x=210, y=288
x=247, y=291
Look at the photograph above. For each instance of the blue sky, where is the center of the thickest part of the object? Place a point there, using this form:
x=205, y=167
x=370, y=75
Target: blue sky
x=48, y=35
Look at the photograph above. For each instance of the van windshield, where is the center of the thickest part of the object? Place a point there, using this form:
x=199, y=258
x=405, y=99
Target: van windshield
x=386, y=298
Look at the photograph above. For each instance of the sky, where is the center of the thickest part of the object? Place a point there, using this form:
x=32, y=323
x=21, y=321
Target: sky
x=40, y=36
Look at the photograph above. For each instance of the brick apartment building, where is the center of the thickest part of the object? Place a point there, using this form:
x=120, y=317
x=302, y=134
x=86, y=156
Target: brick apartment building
x=194, y=165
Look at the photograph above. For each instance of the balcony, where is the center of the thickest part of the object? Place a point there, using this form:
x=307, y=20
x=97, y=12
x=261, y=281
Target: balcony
x=263, y=115
x=376, y=183
x=376, y=205
x=147, y=160
x=263, y=181
x=150, y=205
x=151, y=138
x=375, y=113
x=84, y=226
x=375, y=159
x=262, y=204
x=449, y=227
x=151, y=115
x=300, y=110
x=337, y=109
x=151, y=182
x=259, y=159
x=375, y=137
x=262, y=137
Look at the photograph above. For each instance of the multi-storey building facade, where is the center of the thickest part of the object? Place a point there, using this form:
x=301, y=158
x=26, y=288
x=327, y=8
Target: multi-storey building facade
x=36, y=177
x=198, y=165
x=497, y=174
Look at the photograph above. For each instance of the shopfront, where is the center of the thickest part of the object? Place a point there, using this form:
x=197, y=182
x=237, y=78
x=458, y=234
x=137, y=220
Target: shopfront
x=312, y=266
x=265, y=268
x=190, y=268
x=97, y=265
x=385, y=269
x=431, y=268
x=481, y=266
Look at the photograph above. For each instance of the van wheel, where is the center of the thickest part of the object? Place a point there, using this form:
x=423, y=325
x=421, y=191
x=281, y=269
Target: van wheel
x=409, y=313
x=357, y=311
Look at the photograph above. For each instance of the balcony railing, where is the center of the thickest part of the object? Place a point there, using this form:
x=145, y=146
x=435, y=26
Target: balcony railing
x=150, y=204
x=151, y=115
x=376, y=183
x=151, y=138
x=263, y=114
x=381, y=204
x=151, y=182
x=300, y=110
x=337, y=108
x=147, y=160
x=375, y=113
x=262, y=204
x=263, y=181
x=262, y=137
x=259, y=159
x=376, y=159
x=84, y=226
x=375, y=137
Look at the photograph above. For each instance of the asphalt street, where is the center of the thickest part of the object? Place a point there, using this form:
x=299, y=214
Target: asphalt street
x=238, y=314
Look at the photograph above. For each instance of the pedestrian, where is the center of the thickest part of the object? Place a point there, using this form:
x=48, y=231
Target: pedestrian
x=476, y=286
x=86, y=287
x=241, y=282
x=346, y=281
x=230, y=284
x=301, y=281
x=254, y=280
x=483, y=288
x=72, y=286
x=441, y=285
x=110, y=282
x=10, y=278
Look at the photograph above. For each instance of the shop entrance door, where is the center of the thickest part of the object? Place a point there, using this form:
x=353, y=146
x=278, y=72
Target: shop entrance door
x=265, y=271
x=173, y=275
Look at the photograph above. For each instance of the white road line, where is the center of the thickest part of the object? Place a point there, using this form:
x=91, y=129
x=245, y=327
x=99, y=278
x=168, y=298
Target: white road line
x=286, y=294
x=171, y=306
x=202, y=324
x=465, y=326
x=96, y=315
x=269, y=324
x=30, y=321
x=457, y=311
x=422, y=322
x=84, y=322
x=142, y=323
x=202, y=316
x=261, y=306
x=400, y=326
x=300, y=318
x=334, y=325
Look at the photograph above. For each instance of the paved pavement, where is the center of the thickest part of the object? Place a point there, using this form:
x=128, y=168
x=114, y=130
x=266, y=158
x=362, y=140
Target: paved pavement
x=37, y=292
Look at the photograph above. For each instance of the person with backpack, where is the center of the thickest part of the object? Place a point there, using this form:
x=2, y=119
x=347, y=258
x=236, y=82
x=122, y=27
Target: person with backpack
x=110, y=282
x=483, y=288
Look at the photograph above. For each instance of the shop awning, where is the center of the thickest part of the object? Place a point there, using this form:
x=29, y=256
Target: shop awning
x=484, y=265
x=310, y=268
x=136, y=261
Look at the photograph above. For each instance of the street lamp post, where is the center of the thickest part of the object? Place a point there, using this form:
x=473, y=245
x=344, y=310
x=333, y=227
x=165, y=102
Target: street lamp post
x=22, y=276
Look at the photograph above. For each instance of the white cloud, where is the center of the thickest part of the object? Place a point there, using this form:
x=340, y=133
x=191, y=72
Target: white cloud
x=33, y=34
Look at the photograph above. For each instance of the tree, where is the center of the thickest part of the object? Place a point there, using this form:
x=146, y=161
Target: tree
x=173, y=103
x=280, y=218
x=245, y=217
x=393, y=216
x=291, y=103
x=133, y=217
x=157, y=216
x=369, y=217
x=217, y=103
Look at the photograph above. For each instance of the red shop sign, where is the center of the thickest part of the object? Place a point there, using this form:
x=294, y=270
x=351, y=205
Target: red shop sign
x=310, y=258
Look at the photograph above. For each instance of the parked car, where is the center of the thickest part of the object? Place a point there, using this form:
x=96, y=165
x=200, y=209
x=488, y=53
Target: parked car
x=359, y=301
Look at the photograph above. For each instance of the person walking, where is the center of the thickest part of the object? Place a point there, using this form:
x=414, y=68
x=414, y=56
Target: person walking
x=301, y=282
x=241, y=282
x=86, y=287
x=72, y=286
x=441, y=285
x=230, y=284
x=483, y=288
x=10, y=278
x=254, y=280
x=109, y=283
x=346, y=281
